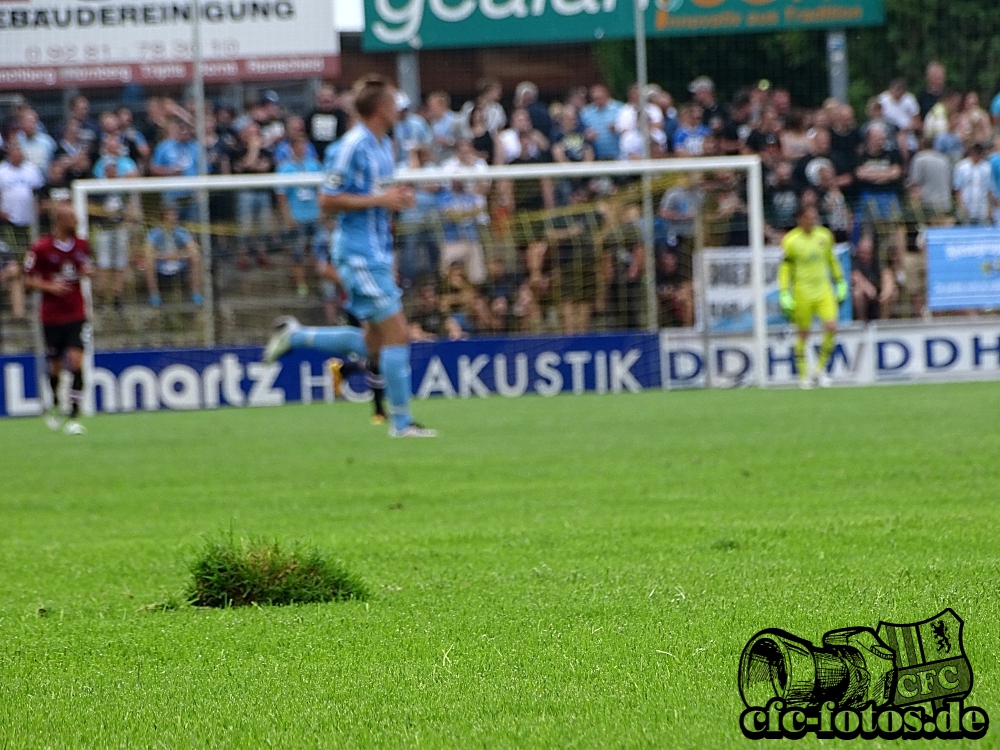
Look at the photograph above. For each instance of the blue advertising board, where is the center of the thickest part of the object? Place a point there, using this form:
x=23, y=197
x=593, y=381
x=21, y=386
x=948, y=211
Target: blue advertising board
x=209, y=378
x=963, y=268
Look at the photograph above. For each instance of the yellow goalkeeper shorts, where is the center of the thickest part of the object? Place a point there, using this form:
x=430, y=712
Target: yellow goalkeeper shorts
x=824, y=308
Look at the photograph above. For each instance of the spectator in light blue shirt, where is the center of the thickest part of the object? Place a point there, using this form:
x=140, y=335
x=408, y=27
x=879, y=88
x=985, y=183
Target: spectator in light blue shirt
x=299, y=207
x=461, y=213
x=109, y=224
x=417, y=227
x=950, y=145
x=599, y=119
x=995, y=111
x=175, y=156
x=172, y=258
x=38, y=147
x=994, y=160
x=295, y=127
x=446, y=127
x=409, y=132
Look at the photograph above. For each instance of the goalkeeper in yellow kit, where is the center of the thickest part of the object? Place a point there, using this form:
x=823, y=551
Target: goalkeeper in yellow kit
x=804, y=279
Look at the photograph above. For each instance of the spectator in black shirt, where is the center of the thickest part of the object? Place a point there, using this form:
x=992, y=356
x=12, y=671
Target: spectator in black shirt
x=674, y=291
x=845, y=138
x=71, y=161
x=806, y=171
x=79, y=110
x=781, y=202
x=571, y=147
x=576, y=98
x=138, y=146
x=483, y=141
x=767, y=132
x=526, y=96
x=570, y=238
x=713, y=114
x=221, y=203
x=873, y=111
x=935, y=77
x=224, y=118
x=873, y=288
x=878, y=179
x=427, y=320
x=155, y=123
x=500, y=284
x=267, y=114
x=327, y=122
x=880, y=168
x=736, y=130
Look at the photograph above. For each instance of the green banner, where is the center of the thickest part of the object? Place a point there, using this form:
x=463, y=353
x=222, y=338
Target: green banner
x=435, y=24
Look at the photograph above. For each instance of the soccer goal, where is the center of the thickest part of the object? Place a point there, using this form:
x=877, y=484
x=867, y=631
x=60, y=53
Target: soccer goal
x=528, y=248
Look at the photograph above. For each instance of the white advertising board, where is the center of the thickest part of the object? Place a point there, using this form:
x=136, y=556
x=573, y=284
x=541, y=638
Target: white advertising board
x=95, y=43
x=724, y=276
x=889, y=352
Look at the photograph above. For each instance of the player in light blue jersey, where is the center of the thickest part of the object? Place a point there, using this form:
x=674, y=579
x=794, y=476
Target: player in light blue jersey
x=358, y=190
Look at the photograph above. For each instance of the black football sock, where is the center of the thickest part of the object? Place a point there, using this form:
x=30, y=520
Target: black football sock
x=377, y=383
x=76, y=395
x=54, y=385
x=352, y=364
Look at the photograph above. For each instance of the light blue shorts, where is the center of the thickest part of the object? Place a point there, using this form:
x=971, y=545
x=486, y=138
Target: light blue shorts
x=372, y=293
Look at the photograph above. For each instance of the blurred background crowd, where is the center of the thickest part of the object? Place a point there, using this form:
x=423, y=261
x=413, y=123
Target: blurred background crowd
x=480, y=257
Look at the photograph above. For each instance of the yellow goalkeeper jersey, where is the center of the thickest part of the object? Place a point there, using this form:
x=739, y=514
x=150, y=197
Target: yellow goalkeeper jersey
x=808, y=263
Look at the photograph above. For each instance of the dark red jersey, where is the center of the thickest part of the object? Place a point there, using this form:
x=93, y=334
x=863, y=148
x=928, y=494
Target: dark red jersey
x=50, y=259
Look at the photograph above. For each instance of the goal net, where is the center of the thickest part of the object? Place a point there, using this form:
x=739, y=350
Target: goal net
x=520, y=250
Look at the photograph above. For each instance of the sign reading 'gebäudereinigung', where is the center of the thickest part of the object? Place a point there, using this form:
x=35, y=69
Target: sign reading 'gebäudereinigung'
x=60, y=43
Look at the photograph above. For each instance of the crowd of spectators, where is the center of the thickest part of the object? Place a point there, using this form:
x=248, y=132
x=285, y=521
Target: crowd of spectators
x=912, y=161
x=481, y=256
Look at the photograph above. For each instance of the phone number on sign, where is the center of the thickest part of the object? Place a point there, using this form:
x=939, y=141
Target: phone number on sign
x=146, y=51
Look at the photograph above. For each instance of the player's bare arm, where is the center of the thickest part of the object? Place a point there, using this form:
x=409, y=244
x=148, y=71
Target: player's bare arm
x=395, y=198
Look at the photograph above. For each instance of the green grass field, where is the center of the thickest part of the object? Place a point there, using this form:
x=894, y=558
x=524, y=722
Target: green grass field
x=567, y=572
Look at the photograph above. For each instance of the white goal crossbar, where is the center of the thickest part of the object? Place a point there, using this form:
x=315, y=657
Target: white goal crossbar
x=749, y=165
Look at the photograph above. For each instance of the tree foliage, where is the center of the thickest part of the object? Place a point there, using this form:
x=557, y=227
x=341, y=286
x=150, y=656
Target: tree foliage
x=963, y=34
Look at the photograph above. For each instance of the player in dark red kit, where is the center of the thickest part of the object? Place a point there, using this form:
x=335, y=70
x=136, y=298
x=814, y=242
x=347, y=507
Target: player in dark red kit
x=54, y=266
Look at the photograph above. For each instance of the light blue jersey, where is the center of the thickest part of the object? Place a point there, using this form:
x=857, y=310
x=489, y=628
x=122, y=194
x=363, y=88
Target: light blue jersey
x=302, y=201
x=360, y=164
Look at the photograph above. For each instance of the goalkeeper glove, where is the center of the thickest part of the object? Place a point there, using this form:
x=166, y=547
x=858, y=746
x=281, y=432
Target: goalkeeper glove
x=787, y=303
x=841, y=290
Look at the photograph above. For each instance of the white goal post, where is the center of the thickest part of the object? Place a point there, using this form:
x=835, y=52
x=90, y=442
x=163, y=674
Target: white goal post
x=750, y=166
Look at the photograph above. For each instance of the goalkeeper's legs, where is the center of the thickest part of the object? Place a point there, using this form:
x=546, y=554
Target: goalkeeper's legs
x=828, y=315
x=826, y=348
x=801, y=364
x=826, y=352
x=802, y=318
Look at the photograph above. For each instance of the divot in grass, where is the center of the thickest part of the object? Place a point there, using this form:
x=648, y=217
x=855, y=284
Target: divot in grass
x=231, y=572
